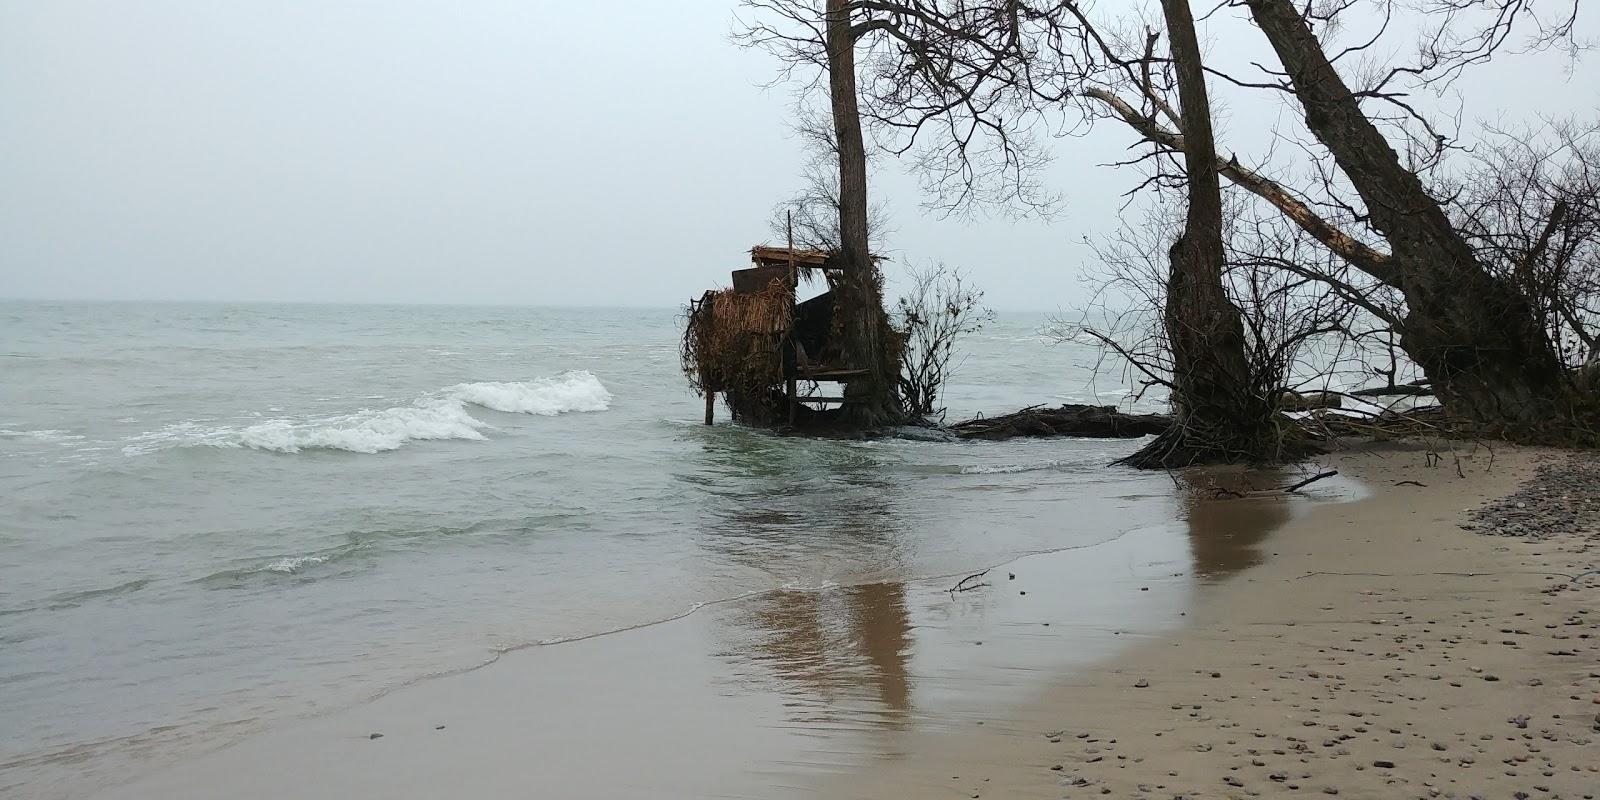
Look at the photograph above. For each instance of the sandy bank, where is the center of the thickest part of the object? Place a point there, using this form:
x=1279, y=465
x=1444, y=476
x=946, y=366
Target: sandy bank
x=1380, y=652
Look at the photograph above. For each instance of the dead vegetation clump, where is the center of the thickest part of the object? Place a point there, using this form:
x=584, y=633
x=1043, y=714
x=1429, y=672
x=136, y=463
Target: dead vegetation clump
x=733, y=344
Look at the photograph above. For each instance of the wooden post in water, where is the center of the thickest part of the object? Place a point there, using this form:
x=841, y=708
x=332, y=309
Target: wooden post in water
x=711, y=405
x=794, y=402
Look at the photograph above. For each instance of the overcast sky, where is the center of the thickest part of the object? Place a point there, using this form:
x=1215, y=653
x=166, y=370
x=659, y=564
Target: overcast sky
x=493, y=151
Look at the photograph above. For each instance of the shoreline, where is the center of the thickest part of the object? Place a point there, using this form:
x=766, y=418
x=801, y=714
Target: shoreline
x=1174, y=703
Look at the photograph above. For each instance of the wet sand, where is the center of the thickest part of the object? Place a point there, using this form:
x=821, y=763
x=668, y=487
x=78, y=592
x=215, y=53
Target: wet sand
x=1266, y=645
x=1381, y=651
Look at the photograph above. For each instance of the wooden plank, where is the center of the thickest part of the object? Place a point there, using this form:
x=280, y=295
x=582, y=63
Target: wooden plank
x=825, y=373
x=819, y=399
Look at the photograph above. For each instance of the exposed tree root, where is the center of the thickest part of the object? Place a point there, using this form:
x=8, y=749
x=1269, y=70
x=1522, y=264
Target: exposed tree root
x=1176, y=448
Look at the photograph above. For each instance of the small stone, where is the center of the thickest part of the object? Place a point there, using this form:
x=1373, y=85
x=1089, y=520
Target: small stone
x=1142, y=684
x=1382, y=764
x=374, y=736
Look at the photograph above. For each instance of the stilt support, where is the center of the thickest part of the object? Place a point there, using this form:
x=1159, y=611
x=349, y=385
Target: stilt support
x=794, y=402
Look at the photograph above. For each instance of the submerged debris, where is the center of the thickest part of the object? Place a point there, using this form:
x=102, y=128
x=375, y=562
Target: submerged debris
x=1103, y=422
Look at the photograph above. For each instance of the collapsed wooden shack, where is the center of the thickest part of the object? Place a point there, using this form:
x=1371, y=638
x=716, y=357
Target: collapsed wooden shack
x=756, y=344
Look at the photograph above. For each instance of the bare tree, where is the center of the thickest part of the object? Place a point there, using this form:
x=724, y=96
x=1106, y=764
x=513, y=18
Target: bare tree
x=1477, y=338
x=1475, y=334
x=938, y=310
x=962, y=87
x=1529, y=205
x=1216, y=415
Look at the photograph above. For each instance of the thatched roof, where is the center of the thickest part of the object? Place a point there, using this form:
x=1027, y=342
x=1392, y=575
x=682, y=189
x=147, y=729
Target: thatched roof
x=765, y=256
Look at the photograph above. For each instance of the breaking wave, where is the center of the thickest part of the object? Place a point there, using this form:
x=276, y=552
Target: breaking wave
x=438, y=415
x=365, y=431
x=578, y=390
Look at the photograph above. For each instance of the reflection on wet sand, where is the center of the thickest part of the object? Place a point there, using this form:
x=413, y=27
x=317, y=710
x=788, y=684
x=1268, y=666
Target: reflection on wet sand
x=833, y=650
x=837, y=655
x=860, y=670
x=1225, y=530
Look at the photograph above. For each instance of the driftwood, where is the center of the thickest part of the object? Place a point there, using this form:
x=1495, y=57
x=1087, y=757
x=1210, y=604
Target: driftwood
x=1412, y=389
x=1425, y=422
x=1100, y=422
x=1295, y=487
x=964, y=585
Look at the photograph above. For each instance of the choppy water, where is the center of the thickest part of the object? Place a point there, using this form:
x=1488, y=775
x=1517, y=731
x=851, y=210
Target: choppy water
x=216, y=517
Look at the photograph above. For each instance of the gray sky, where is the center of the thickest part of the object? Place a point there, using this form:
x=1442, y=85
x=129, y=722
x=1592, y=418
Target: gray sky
x=497, y=151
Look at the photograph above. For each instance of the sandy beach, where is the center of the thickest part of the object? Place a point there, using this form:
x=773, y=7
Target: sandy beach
x=1381, y=651
x=1372, y=648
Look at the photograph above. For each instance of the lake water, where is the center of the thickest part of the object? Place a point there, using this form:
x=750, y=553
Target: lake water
x=215, y=518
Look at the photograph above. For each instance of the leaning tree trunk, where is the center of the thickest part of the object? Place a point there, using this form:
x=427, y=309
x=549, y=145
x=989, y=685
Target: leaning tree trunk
x=1477, y=339
x=1219, y=414
x=863, y=325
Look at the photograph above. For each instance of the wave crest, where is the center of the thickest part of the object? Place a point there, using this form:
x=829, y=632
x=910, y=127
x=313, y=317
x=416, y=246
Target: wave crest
x=578, y=390
x=437, y=415
x=366, y=431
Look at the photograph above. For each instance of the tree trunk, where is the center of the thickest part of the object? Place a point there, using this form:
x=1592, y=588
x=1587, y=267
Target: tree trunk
x=863, y=325
x=1477, y=339
x=1218, y=413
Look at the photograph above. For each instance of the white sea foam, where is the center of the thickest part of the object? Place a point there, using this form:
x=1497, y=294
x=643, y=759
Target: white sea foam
x=437, y=415
x=43, y=435
x=365, y=431
x=292, y=564
x=1003, y=469
x=578, y=390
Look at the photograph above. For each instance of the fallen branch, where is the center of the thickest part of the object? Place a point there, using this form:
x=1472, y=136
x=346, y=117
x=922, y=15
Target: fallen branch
x=1308, y=481
x=961, y=586
x=1412, y=389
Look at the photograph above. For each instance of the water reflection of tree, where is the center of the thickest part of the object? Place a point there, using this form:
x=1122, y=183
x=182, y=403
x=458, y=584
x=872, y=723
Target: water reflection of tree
x=1225, y=531
x=826, y=511
x=839, y=654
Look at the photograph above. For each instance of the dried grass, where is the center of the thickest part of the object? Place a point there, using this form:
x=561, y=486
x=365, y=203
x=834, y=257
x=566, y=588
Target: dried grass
x=732, y=342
